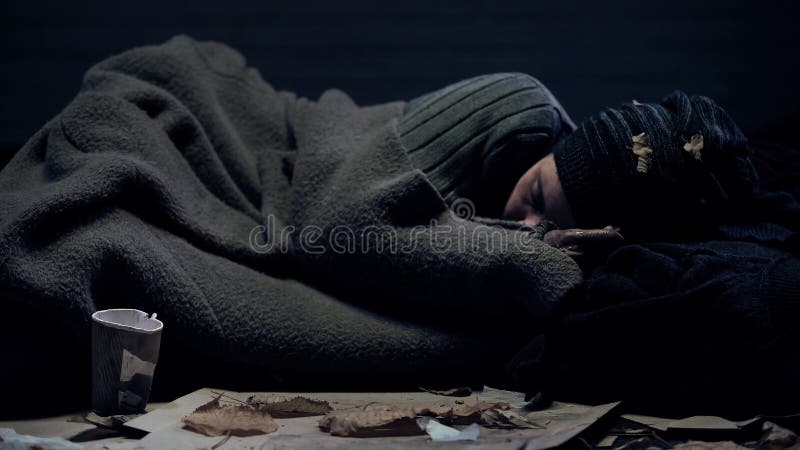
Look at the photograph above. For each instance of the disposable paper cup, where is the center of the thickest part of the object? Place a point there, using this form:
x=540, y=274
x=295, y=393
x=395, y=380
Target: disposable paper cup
x=125, y=344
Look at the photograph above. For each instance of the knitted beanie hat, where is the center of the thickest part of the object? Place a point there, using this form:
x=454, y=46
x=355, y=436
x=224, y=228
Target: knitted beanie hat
x=679, y=162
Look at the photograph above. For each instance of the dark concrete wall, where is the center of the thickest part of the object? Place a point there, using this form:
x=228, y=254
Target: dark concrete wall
x=592, y=53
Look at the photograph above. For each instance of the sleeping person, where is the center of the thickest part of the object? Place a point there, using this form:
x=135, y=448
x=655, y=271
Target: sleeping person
x=165, y=182
x=657, y=169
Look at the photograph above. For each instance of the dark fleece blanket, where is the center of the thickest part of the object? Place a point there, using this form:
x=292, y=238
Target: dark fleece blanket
x=179, y=182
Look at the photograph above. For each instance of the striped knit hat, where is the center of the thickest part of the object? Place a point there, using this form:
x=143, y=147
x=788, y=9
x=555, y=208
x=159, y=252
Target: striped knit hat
x=653, y=166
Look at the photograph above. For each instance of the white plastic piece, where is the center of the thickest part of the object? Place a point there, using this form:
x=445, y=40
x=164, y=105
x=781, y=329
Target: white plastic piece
x=443, y=433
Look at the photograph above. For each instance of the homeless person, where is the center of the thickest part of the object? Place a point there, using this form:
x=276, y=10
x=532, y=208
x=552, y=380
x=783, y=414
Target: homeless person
x=289, y=243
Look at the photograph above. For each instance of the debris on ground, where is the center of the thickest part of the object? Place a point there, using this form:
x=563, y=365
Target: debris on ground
x=777, y=437
x=114, y=422
x=11, y=440
x=700, y=445
x=493, y=418
x=214, y=419
x=454, y=392
x=372, y=420
x=281, y=407
x=641, y=443
x=536, y=402
x=607, y=441
x=505, y=420
x=469, y=413
x=689, y=424
x=442, y=433
x=380, y=419
x=513, y=398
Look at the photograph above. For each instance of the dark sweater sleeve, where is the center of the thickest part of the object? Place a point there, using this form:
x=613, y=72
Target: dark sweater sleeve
x=475, y=138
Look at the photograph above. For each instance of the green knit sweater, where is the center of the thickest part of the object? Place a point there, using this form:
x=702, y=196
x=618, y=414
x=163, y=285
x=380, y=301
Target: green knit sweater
x=475, y=138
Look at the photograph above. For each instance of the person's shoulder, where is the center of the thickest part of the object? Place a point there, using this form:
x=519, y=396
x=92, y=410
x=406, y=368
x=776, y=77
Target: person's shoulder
x=497, y=79
x=516, y=84
x=517, y=79
x=537, y=93
x=520, y=78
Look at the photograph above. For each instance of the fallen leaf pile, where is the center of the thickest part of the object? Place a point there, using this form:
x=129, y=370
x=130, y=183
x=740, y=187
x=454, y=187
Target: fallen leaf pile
x=255, y=417
x=282, y=407
x=214, y=419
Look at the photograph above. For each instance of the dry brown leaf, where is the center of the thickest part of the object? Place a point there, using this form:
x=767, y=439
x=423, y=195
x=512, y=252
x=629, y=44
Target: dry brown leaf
x=455, y=392
x=641, y=148
x=467, y=414
x=372, y=420
x=699, y=445
x=282, y=408
x=694, y=146
x=213, y=419
x=507, y=420
x=380, y=419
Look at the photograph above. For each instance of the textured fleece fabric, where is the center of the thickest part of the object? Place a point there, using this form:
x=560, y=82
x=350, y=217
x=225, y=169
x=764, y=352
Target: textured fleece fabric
x=158, y=182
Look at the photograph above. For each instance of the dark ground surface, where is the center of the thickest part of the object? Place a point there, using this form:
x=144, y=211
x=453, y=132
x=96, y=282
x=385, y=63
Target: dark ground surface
x=591, y=54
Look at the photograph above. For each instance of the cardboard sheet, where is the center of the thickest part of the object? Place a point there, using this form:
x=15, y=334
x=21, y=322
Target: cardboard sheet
x=560, y=422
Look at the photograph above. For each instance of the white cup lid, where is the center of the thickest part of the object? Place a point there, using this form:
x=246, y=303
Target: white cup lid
x=128, y=319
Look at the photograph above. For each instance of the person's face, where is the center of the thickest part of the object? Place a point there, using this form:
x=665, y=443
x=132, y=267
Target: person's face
x=539, y=196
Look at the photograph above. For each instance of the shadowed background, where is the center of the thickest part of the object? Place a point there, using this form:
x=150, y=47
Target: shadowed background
x=591, y=54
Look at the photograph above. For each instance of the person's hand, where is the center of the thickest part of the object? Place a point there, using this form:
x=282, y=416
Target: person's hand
x=586, y=247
